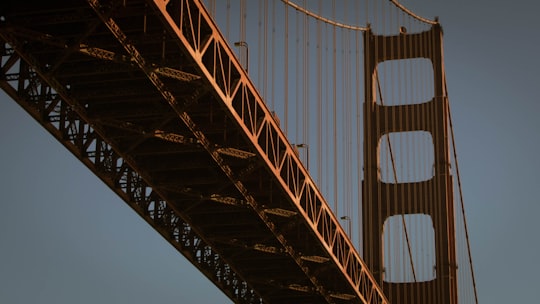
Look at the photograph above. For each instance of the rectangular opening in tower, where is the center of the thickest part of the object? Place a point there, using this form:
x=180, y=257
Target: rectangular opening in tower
x=404, y=82
x=406, y=157
x=409, y=249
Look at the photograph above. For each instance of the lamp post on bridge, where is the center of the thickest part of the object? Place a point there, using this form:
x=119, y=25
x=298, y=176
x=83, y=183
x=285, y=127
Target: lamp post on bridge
x=306, y=146
x=349, y=224
x=244, y=44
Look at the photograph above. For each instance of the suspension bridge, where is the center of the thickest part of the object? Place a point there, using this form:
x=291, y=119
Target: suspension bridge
x=293, y=152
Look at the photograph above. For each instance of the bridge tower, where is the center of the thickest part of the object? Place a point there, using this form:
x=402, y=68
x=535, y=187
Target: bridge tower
x=432, y=197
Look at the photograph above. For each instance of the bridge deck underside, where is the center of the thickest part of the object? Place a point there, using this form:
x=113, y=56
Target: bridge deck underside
x=78, y=81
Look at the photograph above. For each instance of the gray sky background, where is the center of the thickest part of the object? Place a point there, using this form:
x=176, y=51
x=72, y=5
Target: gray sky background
x=66, y=238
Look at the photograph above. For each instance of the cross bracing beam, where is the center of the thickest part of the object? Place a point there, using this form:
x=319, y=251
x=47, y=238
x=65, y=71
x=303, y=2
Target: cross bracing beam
x=247, y=166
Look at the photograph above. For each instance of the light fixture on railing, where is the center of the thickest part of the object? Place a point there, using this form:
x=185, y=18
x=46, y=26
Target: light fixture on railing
x=244, y=44
x=306, y=146
x=349, y=224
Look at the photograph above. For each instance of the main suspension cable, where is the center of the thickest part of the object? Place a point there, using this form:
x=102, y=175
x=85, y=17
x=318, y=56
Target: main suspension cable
x=410, y=13
x=323, y=19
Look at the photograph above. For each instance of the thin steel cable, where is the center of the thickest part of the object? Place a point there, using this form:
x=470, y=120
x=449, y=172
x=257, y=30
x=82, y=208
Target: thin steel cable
x=212, y=8
x=260, y=51
x=297, y=73
x=265, y=50
x=347, y=125
x=273, y=58
x=334, y=109
x=319, y=96
x=306, y=87
x=228, y=23
x=286, y=69
x=358, y=133
x=243, y=17
x=461, y=196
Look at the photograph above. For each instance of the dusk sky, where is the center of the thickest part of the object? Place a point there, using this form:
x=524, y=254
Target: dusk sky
x=67, y=238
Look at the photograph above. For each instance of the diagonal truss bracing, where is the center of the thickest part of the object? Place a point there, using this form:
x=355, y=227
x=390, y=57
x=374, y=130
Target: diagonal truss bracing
x=265, y=135
x=153, y=101
x=51, y=106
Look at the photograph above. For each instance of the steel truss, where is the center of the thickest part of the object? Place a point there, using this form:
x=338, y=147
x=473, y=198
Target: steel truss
x=148, y=95
x=60, y=117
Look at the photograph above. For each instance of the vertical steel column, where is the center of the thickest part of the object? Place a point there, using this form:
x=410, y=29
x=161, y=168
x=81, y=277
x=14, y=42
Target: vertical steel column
x=433, y=197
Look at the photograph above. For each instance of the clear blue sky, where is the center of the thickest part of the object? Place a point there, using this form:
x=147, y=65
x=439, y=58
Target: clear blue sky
x=66, y=238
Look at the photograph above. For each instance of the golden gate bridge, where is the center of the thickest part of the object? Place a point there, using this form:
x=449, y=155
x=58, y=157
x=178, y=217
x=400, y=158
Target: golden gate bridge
x=333, y=122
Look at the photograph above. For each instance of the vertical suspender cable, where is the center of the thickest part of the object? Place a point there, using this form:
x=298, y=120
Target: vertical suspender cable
x=228, y=22
x=395, y=176
x=358, y=102
x=297, y=74
x=306, y=80
x=262, y=51
x=319, y=133
x=334, y=110
x=243, y=17
x=286, y=69
x=265, y=50
x=327, y=111
x=273, y=57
